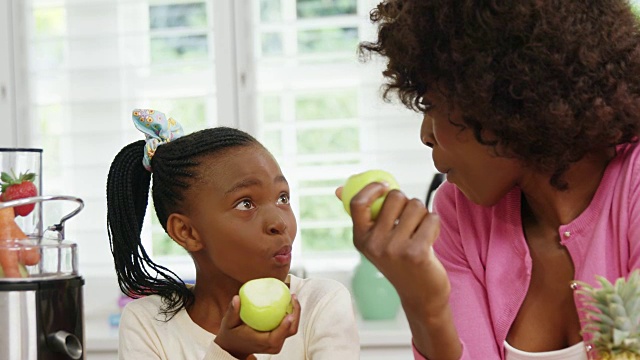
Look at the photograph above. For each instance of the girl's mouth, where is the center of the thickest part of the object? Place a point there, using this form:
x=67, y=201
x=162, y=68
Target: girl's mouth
x=283, y=256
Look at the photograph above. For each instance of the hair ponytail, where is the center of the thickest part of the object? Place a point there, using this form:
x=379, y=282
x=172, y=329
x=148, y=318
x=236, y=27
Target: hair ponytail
x=128, y=185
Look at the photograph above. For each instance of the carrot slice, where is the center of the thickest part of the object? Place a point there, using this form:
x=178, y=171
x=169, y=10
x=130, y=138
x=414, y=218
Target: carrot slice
x=10, y=257
x=9, y=230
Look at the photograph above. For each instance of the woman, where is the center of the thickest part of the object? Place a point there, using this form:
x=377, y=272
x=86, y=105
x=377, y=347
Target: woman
x=532, y=111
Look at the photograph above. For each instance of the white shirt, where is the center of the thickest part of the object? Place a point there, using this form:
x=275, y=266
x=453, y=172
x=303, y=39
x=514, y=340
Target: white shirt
x=574, y=352
x=327, y=329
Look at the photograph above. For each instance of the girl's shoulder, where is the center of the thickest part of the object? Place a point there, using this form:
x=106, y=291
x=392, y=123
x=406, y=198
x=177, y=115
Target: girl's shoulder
x=314, y=285
x=150, y=302
x=314, y=290
x=145, y=308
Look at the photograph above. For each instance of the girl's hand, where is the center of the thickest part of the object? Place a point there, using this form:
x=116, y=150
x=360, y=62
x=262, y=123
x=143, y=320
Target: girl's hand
x=241, y=341
x=399, y=243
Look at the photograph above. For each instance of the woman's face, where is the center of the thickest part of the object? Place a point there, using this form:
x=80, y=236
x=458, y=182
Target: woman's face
x=242, y=213
x=474, y=168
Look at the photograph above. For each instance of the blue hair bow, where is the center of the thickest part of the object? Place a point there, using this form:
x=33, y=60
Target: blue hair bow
x=158, y=130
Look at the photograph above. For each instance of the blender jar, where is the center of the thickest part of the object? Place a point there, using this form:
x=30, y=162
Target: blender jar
x=14, y=164
x=38, y=257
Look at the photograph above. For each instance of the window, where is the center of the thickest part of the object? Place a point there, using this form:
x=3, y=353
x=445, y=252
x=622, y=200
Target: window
x=285, y=70
x=89, y=64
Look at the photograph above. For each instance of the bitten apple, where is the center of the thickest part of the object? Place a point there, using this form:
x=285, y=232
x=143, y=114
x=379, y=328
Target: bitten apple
x=264, y=303
x=356, y=182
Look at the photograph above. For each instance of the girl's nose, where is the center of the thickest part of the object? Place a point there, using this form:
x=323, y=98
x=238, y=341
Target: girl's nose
x=426, y=131
x=276, y=224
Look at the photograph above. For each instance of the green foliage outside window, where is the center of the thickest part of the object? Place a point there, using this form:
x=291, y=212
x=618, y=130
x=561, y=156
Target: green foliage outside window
x=271, y=108
x=328, y=141
x=331, y=239
x=172, y=48
x=186, y=47
x=189, y=112
x=330, y=105
x=273, y=142
x=49, y=21
x=322, y=207
x=165, y=246
x=321, y=8
x=270, y=10
x=178, y=15
x=271, y=43
x=328, y=40
x=332, y=183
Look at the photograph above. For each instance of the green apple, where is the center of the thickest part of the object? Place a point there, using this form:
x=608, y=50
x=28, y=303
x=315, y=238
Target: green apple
x=356, y=182
x=23, y=271
x=264, y=303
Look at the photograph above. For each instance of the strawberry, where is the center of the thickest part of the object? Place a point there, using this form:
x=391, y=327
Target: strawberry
x=19, y=187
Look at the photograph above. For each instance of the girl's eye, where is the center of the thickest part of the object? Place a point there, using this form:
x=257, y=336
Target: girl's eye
x=245, y=205
x=283, y=199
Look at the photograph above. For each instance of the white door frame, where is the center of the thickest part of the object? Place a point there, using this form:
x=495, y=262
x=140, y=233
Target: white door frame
x=8, y=132
x=14, y=94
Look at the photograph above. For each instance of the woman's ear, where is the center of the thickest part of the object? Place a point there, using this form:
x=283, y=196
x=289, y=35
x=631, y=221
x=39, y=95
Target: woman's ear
x=182, y=232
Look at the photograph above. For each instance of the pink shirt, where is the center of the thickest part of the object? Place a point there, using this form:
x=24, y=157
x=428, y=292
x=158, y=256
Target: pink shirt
x=488, y=261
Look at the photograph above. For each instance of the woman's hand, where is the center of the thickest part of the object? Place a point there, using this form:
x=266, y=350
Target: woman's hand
x=399, y=243
x=241, y=341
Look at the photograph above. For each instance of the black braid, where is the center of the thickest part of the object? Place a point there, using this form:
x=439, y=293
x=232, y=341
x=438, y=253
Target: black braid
x=175, y=165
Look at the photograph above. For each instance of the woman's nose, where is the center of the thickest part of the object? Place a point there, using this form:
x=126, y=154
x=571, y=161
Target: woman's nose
x=426, y=131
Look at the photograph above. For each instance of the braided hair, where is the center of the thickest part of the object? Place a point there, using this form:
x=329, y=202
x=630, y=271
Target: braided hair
x=175, y=166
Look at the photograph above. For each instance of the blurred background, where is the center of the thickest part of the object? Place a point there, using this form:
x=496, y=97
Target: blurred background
x=287, y=71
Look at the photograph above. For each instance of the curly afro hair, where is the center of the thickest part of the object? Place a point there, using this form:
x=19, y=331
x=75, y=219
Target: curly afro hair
x=550, y=80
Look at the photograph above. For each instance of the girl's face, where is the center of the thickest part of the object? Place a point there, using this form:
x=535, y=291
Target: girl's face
x=483, y=177
x=242, y=214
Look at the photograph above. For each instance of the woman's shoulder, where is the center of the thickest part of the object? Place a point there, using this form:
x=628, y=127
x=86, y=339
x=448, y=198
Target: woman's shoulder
x=623, y=172
x=628, y=156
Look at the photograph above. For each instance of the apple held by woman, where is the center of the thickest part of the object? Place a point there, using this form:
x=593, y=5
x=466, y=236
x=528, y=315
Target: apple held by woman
x=357, y=182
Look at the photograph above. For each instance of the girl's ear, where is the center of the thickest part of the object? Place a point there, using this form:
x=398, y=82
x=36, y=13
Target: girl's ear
x=182, y=232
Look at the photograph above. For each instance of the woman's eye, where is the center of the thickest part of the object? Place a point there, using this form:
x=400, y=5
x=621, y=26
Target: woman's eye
x=245, y=205
x=425, y=105
x=283, y=199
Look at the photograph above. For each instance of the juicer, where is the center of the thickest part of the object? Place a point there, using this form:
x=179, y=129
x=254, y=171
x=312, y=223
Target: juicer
x=41, y=309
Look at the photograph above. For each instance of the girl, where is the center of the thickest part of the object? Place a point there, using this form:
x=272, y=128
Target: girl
x=220, y=195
